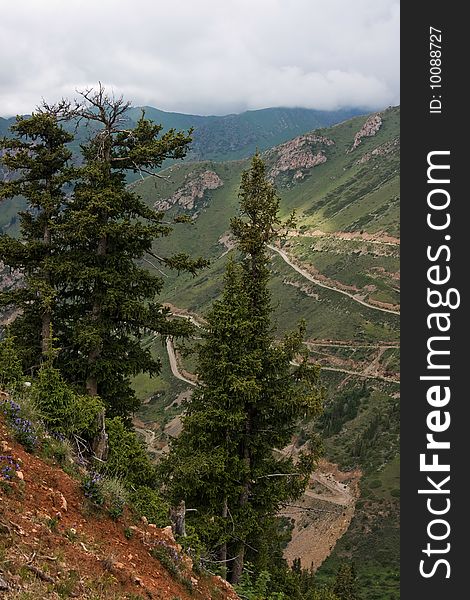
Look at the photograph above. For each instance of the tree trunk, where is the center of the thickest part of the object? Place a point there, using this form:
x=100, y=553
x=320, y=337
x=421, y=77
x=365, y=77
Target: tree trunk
x=237, y=564
x=222, y=554
x=46, y=319
x=178, y=519
x=46, y=332
x=92, y=382
x=100, y=441
x=94, y=354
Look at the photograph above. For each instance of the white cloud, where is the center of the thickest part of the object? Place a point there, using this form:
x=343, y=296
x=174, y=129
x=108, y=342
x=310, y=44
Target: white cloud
x=204, y=56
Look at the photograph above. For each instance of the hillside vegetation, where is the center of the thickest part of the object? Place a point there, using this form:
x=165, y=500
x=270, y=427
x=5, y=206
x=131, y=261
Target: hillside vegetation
x=58, y=541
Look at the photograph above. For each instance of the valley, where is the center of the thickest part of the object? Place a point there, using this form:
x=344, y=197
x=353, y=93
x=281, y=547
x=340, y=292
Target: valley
x=338, y=270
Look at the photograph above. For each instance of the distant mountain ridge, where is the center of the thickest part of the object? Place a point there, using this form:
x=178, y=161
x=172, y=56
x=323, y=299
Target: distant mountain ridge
x=239, y=135
x=233, y=136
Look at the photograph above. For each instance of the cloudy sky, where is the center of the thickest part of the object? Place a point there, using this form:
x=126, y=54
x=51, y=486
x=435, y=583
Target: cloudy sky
x=202, y=56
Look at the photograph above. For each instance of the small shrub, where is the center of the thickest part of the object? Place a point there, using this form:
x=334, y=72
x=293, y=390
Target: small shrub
x=193, y=546
x=62, y=410
x=114, y=494
x=167, y=557
x=71, y=535
x=92, y=489
x=171, y=560
x=24, y=432
x=106, y=492
x=66, y=587
x=128, y=458
x=53, y=398
x=10, y=409
x=257, y=589
x=57, y=447
x=147, y=502
x=53, y=523
x=11, y=372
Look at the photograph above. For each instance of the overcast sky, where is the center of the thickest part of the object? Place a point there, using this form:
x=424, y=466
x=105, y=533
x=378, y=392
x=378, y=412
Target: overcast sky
x=202, y=56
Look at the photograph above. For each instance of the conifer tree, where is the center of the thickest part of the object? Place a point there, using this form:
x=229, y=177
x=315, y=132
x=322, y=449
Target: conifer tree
x=108, y=300
x=345, y=586
x=252, y=391
x=37, y=162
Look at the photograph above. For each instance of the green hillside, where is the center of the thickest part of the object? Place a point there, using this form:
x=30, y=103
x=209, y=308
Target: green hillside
x=355, y=204
x=238, y=135
x=229, y=136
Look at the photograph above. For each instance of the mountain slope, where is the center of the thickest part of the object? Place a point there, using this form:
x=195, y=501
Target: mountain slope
x=56, y=544
x=237, y=136
x=214, y=138
x=231, y=136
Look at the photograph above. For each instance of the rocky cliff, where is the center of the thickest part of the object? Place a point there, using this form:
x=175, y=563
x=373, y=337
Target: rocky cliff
x=299, y=155
x=191, y=191
x=369, y=129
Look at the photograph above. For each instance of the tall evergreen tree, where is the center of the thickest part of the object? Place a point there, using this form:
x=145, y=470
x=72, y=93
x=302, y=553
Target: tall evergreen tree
x=37, y=162
x=252, y=391
x=108, y=300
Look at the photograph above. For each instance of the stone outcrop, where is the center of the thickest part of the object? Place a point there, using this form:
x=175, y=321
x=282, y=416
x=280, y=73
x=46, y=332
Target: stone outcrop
x=193, y=189
x=381, y=150
x=299, y=154
x=369, y=129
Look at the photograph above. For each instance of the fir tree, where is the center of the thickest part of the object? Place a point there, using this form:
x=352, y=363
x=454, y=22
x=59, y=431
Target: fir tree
x=37, y=162
x=108, y=302
x=252, y=391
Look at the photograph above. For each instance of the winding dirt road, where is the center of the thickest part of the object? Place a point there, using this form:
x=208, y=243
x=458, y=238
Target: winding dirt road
x=285, y=257
x=359, y=374
x=174, y=363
